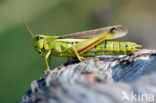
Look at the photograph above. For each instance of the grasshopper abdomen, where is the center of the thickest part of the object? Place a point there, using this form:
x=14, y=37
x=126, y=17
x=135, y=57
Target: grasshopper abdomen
x=112, y=47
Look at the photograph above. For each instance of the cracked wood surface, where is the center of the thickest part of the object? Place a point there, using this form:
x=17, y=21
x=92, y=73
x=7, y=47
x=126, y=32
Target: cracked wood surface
x=102, y=79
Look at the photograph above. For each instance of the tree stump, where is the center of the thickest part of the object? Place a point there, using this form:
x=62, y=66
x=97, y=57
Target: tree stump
x=102, y=79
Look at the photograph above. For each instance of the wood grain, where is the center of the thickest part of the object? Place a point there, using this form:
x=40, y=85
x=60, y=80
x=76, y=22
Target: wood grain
x=102, y=79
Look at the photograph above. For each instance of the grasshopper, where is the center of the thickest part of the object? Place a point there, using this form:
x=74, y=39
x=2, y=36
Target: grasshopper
x=83, y=44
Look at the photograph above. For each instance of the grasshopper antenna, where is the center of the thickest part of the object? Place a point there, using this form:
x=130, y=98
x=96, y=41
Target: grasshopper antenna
x=27, y=27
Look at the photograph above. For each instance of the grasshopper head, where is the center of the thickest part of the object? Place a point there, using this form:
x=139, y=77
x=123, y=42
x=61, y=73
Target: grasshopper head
x=38, y=39
x=39, y=43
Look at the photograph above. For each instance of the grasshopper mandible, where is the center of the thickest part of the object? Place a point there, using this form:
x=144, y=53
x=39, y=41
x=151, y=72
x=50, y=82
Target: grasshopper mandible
x=83, y=44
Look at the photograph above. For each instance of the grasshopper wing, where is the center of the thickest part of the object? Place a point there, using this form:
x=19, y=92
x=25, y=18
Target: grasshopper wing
x=86, y=44
x=122, y=31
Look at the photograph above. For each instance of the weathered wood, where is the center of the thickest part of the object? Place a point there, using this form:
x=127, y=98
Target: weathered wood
x=103, y=79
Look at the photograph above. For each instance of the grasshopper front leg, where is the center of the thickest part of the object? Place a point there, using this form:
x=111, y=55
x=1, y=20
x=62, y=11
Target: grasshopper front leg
x=47, y=59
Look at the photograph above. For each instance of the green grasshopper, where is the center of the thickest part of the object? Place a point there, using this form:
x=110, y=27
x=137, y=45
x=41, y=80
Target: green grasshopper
x=84, y=44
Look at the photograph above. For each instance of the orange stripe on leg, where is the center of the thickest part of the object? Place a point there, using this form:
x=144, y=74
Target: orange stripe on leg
x=90, y=45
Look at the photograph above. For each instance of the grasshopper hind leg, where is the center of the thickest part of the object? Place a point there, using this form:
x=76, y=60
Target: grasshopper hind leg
x=80, y=58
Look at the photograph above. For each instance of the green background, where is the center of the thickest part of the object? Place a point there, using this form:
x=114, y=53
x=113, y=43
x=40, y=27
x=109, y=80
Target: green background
x=19, y=62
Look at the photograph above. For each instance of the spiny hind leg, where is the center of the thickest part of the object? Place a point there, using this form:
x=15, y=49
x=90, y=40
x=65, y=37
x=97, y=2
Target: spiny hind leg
x=47, y=59
x=80, y=58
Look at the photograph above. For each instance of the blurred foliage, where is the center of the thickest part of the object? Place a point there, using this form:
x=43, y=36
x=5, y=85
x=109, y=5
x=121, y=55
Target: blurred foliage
x=19, y=62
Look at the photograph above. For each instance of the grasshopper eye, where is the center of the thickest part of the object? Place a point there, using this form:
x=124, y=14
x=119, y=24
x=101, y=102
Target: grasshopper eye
x=113, y=30
x=38, y=38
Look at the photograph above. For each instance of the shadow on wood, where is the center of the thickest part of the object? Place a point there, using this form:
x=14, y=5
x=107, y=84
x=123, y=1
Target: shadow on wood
x=103, y=79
